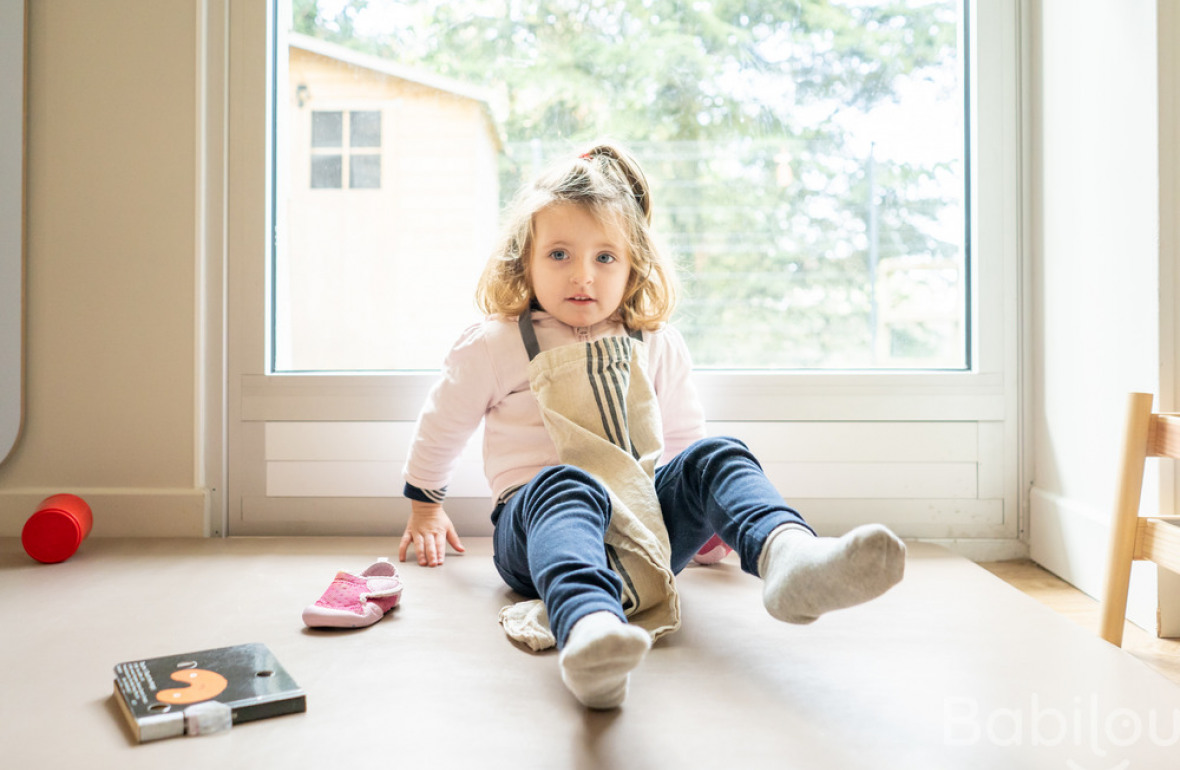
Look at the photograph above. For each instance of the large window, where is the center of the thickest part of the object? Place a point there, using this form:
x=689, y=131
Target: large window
x=808, y=163
x=840, y=181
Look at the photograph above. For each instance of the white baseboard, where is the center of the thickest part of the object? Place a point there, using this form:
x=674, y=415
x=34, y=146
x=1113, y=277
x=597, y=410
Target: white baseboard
x=983, y=549
x=1070, y=539
x=118, y=512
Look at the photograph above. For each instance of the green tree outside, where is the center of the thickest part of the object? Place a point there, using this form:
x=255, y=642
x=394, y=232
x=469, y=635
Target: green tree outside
x=740, y=111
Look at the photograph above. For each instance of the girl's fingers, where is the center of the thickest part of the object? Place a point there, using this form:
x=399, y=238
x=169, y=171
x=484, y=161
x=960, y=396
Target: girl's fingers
x=431, y=547
x=430, y=542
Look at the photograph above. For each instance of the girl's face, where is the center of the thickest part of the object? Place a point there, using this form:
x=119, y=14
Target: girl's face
x=579, y=265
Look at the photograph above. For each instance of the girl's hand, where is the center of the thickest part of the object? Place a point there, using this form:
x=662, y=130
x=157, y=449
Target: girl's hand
x=429, y=530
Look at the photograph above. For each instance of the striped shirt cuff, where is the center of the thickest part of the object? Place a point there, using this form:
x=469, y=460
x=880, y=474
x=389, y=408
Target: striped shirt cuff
x=424, y=495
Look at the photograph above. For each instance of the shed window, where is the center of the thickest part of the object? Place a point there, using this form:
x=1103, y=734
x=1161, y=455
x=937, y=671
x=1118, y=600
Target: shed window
x=328, y=149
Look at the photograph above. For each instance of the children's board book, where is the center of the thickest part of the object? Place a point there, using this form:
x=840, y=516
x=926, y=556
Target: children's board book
x=203, y=692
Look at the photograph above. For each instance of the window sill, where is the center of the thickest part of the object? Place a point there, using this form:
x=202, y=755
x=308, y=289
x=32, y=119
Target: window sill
x=729, y=396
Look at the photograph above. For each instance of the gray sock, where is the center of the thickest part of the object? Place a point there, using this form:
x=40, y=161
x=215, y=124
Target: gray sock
x=805, y=576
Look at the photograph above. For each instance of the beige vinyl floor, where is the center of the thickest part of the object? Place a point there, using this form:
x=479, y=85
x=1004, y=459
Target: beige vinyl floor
x=952, y=669
x=1163, y=655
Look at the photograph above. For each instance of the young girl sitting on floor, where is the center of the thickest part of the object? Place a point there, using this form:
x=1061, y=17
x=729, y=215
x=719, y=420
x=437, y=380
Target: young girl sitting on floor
x=595, y=447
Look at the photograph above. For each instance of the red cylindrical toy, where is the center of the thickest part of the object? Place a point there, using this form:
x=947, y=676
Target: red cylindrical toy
x=56, y=529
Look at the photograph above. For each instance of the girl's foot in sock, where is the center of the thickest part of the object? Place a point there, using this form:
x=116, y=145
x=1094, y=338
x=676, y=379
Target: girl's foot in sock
x=805, y=576
x=598, y=658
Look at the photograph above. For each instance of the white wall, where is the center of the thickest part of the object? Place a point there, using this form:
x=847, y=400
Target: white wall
x=1096, y=221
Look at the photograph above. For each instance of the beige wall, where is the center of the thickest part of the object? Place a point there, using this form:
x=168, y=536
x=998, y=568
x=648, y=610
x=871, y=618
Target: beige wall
x=111, y=272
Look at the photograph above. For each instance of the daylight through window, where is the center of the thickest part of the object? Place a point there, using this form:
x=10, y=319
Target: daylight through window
x=807, y=161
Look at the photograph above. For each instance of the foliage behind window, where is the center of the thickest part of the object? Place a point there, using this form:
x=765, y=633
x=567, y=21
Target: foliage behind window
x=807, y=157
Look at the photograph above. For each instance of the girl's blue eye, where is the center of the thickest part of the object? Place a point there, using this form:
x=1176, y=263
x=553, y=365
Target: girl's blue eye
x=559, y=255
x=606, y=259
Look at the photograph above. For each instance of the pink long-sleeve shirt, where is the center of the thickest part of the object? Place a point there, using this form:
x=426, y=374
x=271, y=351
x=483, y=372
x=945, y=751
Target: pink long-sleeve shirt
x=485, y=377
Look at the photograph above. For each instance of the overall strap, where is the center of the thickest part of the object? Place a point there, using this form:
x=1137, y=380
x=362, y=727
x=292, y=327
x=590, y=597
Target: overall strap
x=529, y=335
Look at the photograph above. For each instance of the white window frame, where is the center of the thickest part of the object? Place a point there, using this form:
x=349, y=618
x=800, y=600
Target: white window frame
x=990, y=393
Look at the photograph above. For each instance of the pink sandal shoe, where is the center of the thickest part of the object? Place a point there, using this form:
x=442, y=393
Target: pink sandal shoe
x=712, y=552
x=354, y=601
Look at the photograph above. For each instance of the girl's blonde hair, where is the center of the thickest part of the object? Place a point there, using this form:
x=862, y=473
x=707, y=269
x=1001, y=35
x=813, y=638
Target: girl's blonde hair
x=609, y=182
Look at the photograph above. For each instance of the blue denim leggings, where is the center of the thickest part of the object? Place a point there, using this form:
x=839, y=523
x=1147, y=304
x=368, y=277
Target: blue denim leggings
x=549, y=535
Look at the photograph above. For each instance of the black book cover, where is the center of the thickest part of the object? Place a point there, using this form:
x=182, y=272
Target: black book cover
x=247, y=678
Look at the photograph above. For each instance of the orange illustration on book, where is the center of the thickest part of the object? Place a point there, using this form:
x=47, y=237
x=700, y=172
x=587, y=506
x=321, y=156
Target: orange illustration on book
x=201, y=685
